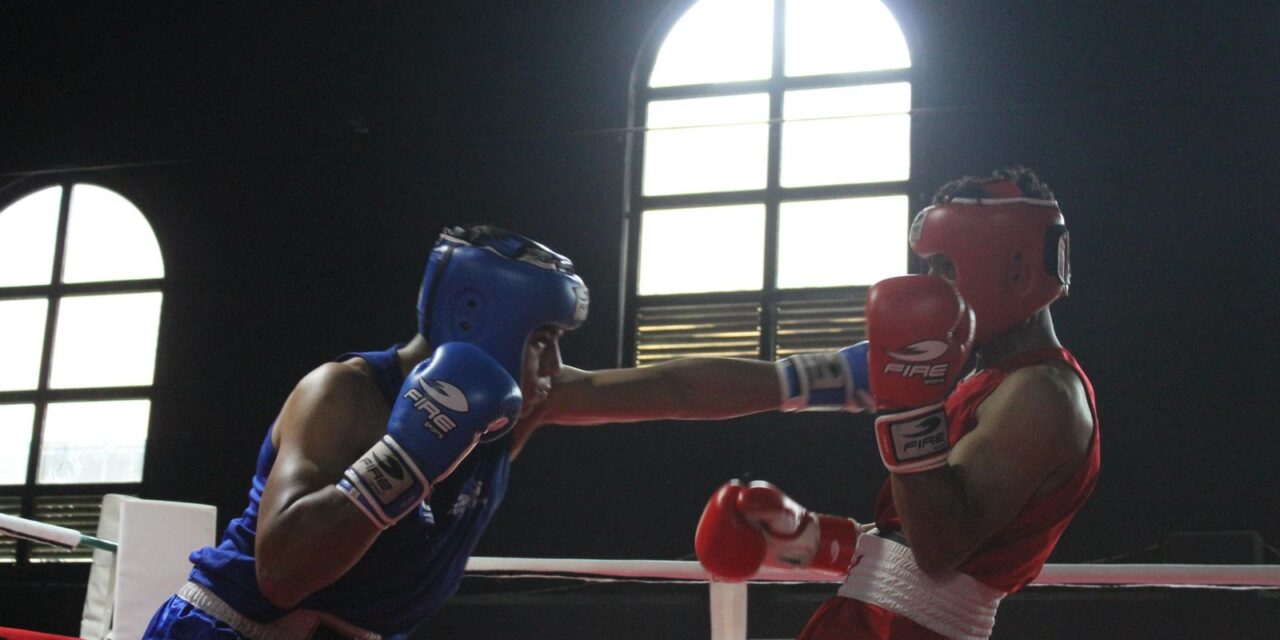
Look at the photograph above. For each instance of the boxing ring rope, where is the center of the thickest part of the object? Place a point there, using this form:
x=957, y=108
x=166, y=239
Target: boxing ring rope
x=1149, y=575
x=729, y=599
x=51, y=534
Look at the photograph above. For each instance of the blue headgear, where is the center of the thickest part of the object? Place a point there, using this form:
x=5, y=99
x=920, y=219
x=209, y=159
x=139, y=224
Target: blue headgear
x=492, y=288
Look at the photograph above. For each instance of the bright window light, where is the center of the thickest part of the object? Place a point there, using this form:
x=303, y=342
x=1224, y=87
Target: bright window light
x=842, y=36
x=21, y=342
x=831, y=243
x=700, y=250
x=108, y=239
x=703, y=145
x=88, y=442
x=15, y=441
x=28, y=233
x=717, y=41
x=106, y=340
x=848, y=135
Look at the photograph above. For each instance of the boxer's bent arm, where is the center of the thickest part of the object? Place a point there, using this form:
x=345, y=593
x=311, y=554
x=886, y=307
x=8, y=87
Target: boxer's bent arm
x=1032, y=433
x=309, y=534
x=683, y=389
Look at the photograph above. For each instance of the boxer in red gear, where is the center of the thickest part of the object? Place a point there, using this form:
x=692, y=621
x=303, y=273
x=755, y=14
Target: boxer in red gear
x=974, y=520
x=1022, y=429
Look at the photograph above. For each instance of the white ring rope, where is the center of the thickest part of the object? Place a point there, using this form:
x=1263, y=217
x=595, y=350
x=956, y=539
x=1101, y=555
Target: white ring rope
x=1201, y=575
x=728, y=612
x=1154, y=575
x=50, y=534
x=728, y=606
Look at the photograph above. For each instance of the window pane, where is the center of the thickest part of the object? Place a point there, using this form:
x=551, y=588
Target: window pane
x=89, y=442
x=849, y=135
x=108, y=239
x=717, y=41
x=705, y=249
x=707, y=144
x=665, y=332
x=830, y=243
x=28, y=230
x=21, y=342
x=833, y=321
x=842, y=36
x=15, y=441
x=105, y=341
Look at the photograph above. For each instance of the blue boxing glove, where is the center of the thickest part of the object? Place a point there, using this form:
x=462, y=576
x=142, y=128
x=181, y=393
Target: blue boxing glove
x=446, y=405
x=830, y=381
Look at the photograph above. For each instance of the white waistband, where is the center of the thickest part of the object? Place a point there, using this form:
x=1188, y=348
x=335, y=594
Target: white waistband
x=885, y=573
x=296, y=625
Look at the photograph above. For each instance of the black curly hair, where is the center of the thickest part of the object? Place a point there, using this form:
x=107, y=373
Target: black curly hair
x=975, y=187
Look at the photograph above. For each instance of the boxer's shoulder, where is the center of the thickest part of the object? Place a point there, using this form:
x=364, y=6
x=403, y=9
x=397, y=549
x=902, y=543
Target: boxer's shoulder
x=335, y=398
x=349, y=381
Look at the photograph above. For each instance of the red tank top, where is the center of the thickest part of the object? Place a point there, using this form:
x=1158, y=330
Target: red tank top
x=1015, y=554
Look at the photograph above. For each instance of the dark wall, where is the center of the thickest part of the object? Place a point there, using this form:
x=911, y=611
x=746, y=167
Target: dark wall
x=297, y=160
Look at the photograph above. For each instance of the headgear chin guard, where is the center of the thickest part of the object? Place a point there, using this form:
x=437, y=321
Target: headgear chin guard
x=1011, y=253
x=492, y=288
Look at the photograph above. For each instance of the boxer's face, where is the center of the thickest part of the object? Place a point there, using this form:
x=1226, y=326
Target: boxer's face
x=541, y=362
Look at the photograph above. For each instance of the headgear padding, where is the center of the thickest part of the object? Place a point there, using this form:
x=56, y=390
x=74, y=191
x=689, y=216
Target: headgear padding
x=1011, y=253
x=492, y=288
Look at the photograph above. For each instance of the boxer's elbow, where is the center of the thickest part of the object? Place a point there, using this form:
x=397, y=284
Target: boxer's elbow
x=941, y=549
x=285, y=579
x=283, y=589
x=291, y=568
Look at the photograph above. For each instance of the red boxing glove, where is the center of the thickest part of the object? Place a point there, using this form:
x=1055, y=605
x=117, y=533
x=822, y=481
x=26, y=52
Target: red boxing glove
x=921, y=333
x=745, y=527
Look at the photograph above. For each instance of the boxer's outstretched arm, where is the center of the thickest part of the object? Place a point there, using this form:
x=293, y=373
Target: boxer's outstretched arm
x=309, y=533
x=684, y=389
x=1033, y=434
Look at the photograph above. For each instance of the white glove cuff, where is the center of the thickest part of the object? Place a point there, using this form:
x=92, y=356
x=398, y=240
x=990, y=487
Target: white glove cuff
x=914, y=441
x=819, y=382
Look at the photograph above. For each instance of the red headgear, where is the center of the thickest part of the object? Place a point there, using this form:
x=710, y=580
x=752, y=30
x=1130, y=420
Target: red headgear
x=1011, y=253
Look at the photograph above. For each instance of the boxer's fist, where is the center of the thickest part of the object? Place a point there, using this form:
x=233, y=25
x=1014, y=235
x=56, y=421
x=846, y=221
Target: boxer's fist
x=826, y=381
x=446, y=405
x=921, y=333
x=728, y=546
x=745, y=527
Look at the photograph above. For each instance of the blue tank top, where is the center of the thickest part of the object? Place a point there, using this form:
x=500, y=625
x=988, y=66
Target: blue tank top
x=410, y=569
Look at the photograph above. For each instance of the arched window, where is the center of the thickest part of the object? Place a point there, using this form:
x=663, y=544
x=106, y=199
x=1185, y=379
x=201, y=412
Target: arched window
x=80, y=295
x=767, y=188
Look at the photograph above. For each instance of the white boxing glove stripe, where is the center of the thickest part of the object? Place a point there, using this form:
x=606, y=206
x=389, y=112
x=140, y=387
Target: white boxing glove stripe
x=830, y=381
x=385, y=483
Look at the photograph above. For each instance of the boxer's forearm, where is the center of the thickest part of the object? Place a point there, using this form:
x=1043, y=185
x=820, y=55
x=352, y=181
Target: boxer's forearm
x=938, y=517
x=309, y=545
x=684, y=389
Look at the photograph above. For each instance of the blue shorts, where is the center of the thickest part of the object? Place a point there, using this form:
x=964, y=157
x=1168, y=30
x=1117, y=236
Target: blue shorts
x=178, y=619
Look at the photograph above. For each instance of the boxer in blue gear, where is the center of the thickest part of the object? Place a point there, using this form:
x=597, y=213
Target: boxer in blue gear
x=383, y=468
